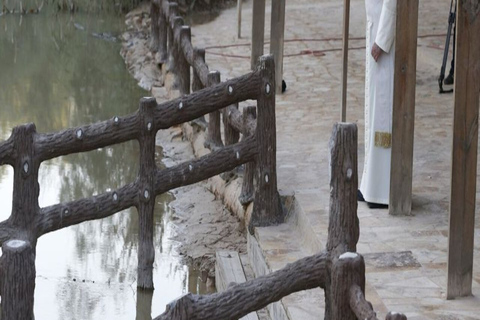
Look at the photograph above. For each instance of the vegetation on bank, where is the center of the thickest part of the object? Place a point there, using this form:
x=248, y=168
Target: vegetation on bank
x=120, y=6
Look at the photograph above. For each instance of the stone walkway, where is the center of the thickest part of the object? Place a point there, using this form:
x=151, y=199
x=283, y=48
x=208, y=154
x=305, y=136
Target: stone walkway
x=305, y=115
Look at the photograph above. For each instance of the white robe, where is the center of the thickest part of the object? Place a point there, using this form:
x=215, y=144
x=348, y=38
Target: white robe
x=381, y=23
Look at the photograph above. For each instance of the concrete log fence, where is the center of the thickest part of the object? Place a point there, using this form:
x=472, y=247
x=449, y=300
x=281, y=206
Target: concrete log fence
x=26, y=149
x=172, y=39
x=339, y=270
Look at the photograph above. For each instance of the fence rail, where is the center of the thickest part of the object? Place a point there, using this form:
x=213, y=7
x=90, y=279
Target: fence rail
x=339, y=269
x=172, y=41
x=26, y=149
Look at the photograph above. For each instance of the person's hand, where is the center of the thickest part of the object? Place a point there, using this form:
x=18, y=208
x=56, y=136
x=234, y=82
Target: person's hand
x=376, y=52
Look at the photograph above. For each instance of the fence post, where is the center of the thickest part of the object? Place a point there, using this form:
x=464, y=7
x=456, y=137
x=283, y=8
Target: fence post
x=154, y=25
x=196, y=82
x=347, y=270
x=231, y=135
x=25, y=187
x=267, y=209
x=214, y=138
x=343, y=228
x=146, y=202
x=172, y=12
x=144, y=305
x=162, y=33
x=18, y=283
x=183, y=66
x=247, y=188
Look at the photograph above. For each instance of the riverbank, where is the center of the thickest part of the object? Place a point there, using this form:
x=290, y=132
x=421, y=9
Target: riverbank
x=203, y=212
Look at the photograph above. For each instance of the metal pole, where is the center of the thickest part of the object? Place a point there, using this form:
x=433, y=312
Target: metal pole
x=346, y=25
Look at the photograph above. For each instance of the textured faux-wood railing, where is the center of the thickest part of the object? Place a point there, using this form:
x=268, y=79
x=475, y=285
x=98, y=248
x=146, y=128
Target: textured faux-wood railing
x=339, y=269
x=171, y=39
x=26, y=149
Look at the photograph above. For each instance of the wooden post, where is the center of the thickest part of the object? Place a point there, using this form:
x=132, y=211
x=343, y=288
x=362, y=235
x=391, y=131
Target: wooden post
x=183, y=66
x=214, y=138
x=231, y=135
x=343, y=227
x=25, y=186
x=172, y=12
x=154, y=26
x=464, y=152
x=144, y=305
x=258, y=32
x=277, y=32
x=346, y=27
x=267, y=209
x=196, y=82
x=146, y=202
x=239, y=19
x=248, y=177
x=347, y=270
x=18, y=283
x=403, y=108
x=162, y=34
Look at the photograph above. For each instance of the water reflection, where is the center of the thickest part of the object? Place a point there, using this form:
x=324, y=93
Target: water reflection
x=55, y=73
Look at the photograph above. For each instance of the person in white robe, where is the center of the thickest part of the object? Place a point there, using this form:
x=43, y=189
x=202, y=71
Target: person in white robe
x=380, y=35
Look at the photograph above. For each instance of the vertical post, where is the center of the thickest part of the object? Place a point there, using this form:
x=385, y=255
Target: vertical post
x=247, y=187
x=177, y=55
x=464, y=152
x=183, y=66
x=144, y=305
x=25, y=186
x=154, y=26
x=267, y=209
x=172, y=12
x=18, y=283
x=214, y=138
x=346, y=270
x=231, y=135
x=277, y=32
x=403, y=108
x=239, y=19
x=196, y=82
x=258, y=31
x=343, y=227
x=146, y=202
x=162, y=33
x=346, y=27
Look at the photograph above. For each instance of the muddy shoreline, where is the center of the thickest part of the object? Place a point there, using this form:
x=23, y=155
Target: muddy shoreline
x=207, y=216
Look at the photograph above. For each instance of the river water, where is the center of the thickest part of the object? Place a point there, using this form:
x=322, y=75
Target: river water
x=56, y=73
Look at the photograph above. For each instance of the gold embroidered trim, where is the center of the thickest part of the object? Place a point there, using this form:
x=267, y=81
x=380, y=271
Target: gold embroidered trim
x=383, y=139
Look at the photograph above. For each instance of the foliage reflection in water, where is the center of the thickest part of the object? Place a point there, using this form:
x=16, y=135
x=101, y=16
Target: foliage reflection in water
x=57, y=73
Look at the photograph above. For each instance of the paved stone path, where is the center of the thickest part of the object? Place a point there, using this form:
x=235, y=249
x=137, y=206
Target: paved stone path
x=415, y=283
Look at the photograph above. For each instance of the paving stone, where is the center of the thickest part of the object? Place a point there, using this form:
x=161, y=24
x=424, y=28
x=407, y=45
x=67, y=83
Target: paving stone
x=305, y=116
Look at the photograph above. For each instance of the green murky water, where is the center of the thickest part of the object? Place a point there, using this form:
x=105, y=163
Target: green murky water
x=55, y=73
